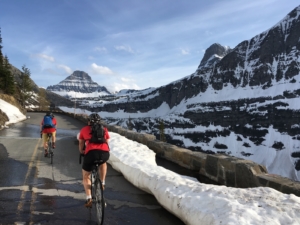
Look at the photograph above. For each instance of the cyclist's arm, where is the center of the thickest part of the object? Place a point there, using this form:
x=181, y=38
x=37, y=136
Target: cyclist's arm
x=106, y=135
x=54, y=122
x=81, y=146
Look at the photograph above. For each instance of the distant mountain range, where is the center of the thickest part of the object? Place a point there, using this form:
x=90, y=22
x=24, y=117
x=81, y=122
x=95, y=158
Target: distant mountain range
x=242, y=102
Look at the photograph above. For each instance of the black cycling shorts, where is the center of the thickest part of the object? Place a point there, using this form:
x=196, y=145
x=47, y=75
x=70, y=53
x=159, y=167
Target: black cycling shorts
x=93, y=155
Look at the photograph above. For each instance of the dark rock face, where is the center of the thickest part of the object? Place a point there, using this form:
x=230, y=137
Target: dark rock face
x=267, y=56
x=79, y=81
x=57, y=100
x=213, y=55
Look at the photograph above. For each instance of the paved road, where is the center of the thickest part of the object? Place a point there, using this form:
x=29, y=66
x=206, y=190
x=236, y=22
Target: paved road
x=32, y=191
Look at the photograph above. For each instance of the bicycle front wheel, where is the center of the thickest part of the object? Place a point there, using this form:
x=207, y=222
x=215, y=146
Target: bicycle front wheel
x=99, y=201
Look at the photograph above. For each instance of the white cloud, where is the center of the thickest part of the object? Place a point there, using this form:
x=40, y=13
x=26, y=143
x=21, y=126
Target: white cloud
x=44, y=56
x=125, y=79
x=208, y=33
x=101, y=49
x=124, y=48
x=66, y=68
x=52, y=72
x=101, y=69
x=120, y=86
x=185, y=52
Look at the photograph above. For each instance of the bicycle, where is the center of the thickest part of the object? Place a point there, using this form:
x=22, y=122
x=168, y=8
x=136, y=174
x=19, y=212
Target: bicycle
x=49, y=149
x=97, y=190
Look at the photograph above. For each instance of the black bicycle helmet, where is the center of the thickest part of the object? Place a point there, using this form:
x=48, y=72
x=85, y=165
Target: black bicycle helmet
x=94, y=118
x=50, y=114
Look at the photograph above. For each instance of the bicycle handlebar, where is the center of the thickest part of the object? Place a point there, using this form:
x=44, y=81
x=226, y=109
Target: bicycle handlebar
x=80, y=156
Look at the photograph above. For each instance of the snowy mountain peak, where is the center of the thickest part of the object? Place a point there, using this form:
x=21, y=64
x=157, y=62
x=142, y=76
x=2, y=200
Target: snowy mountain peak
x=286, y=23
x=79, y=75
x=78, y=84
x=213, y=54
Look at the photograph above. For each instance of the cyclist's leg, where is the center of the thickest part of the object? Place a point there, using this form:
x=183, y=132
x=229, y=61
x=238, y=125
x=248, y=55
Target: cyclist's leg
x=45, y=143
x=86, y=182
x=87, y=167
x=53, y=139
x=87, y=188
x=104, y=156
x=45, y=140
x=102, y=172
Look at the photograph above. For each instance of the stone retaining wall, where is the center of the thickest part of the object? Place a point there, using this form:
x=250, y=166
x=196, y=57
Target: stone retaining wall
x=225, y=170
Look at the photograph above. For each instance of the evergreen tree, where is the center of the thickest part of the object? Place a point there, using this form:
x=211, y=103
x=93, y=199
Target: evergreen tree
x=129, y=124
x=1, y=65
x=25, y=85
x=7, y=83
x=43, y=103
x=162, y=131
x=1, y=55
x=8, y=78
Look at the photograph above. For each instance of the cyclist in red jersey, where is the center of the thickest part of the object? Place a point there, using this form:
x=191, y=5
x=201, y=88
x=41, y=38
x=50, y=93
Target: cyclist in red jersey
x=92, y=152
x=46, y=130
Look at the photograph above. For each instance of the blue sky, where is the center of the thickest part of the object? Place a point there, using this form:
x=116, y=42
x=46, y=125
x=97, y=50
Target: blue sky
x=130, y=44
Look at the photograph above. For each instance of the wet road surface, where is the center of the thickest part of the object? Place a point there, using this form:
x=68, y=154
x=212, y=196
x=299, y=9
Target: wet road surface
x=32, y=191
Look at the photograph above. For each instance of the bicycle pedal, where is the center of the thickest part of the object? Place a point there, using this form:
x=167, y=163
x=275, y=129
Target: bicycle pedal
x=88, y=203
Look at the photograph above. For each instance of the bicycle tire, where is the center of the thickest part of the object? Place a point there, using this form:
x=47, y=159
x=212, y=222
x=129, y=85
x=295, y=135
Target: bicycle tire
x=99, y=201
x=92, y=186
x=50, y=151
x=49, y=148
x=51, y=156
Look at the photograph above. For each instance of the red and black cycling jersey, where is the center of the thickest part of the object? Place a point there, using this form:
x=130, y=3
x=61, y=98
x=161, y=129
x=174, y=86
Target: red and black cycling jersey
x=85, y=134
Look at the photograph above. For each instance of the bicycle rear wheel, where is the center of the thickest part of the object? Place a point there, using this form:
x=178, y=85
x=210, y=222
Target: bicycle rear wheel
x=99, y=201
x=49, y=148
x=51, y=156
